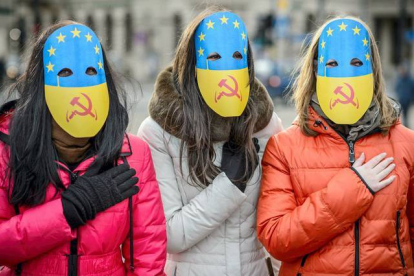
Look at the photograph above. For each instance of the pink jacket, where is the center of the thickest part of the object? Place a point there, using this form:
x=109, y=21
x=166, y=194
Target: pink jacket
x=40, y=237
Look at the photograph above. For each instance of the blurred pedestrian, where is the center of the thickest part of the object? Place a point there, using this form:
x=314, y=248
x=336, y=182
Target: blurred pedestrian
x=209, y=123
x=404, y=87
x=337, y=193
x=73, y=202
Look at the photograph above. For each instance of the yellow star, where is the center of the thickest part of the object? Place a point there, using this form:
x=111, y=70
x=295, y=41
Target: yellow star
x=329, y=31
x=356, y=30
x=50, y=67
x=365, y=41
x=200, y=52
x=367, y=56
x=245, y=50
x=236, y=24
x=224, y=19
x=202, y=36
x=100, y=64
x=323, y=44
x=51, y=51
x=321, y=59
x=342, y=27
x=88, y=38
x=210, y=25
x=61, y=38
x=75, y=32
x=243, y=35
x=96, y=49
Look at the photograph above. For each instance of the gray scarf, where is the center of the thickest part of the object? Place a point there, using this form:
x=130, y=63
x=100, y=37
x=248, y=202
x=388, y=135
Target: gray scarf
x=369, y=121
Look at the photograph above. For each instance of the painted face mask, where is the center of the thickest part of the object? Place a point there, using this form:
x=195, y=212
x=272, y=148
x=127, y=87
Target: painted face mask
x=222, y=72
x=344, y=91
x=75, y=84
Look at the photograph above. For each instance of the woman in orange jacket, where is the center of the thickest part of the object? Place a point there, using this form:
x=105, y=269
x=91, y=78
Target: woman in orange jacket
x=337, y=186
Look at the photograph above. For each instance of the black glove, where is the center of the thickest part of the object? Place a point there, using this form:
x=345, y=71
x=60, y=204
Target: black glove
x=233, y=163
x=93, y=193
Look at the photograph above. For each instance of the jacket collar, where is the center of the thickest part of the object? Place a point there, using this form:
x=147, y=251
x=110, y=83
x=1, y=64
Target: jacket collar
x=166, y=98
x=318, y=124
x=126, y=151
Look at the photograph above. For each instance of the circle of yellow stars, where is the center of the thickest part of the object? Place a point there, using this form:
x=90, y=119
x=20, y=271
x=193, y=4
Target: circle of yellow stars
x=210, y=25
x=75, y=34
x=342, y=27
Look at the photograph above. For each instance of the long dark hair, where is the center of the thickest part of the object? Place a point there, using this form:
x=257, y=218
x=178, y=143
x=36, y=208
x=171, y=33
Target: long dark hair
x=198, y=117
x=32, y=163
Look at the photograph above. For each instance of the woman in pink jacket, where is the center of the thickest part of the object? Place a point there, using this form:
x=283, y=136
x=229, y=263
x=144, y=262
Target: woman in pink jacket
x=78, y=196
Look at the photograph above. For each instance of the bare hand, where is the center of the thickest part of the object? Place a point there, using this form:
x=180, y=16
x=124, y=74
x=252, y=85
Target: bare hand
x=375, y=171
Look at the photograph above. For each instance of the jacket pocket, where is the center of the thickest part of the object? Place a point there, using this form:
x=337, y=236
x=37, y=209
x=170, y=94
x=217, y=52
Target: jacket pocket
x=302, y=264
x=397, y=233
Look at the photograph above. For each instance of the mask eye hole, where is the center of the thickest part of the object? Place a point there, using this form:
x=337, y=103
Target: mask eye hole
x=331, y=63
x=65, y=72
x=91, y=71
x=356, y=62
x=214, y=56
x=237, y=55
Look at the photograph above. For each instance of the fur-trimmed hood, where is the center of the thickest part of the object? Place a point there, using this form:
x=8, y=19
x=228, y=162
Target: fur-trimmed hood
x=166, y=99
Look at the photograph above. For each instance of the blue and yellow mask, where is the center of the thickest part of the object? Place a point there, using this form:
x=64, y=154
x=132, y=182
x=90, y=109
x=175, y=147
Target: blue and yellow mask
x=224, y=81
x=75, y=84
x=344, y=91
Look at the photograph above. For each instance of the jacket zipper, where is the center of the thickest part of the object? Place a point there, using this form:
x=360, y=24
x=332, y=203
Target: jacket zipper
x=351, y=152
x=73, y=256
x=131, y=229
x=357, y=247
x=397, y=230
x=356, y=228
x=351, y=159
x=302, y=264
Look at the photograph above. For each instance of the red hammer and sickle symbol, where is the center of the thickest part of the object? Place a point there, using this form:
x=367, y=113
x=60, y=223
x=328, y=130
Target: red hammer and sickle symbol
x=347, y=99
x=86, y=110
x=233, y=91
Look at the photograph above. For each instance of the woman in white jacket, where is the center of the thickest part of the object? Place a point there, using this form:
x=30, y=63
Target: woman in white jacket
x=209, y=124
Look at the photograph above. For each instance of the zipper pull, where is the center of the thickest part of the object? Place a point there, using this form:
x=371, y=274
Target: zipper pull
x=73, y=177
x=351, y=152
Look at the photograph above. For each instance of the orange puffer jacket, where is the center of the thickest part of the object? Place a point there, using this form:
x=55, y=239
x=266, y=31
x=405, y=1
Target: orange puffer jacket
x=317, y=216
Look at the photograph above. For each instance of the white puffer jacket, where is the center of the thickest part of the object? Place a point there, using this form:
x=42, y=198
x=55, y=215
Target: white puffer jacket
x=210, y=231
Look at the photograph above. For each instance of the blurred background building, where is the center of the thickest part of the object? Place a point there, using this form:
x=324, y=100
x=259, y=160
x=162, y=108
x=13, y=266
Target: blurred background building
x=140, y=36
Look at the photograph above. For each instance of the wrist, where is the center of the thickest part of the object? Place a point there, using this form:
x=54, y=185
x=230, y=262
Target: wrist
x=363, y=181
x=233, y=180
x=72, y=215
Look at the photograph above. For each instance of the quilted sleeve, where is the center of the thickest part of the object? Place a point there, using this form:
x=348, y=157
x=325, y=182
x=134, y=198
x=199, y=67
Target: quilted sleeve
x=32, y=233
x=289, y=230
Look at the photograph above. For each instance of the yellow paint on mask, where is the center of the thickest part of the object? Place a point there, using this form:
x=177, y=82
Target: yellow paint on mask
x=226, y=92
x=80, y=111
x=345, y=100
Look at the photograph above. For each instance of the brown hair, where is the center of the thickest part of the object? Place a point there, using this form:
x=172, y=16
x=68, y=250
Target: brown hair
x=305, y=84
x=198, y=117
